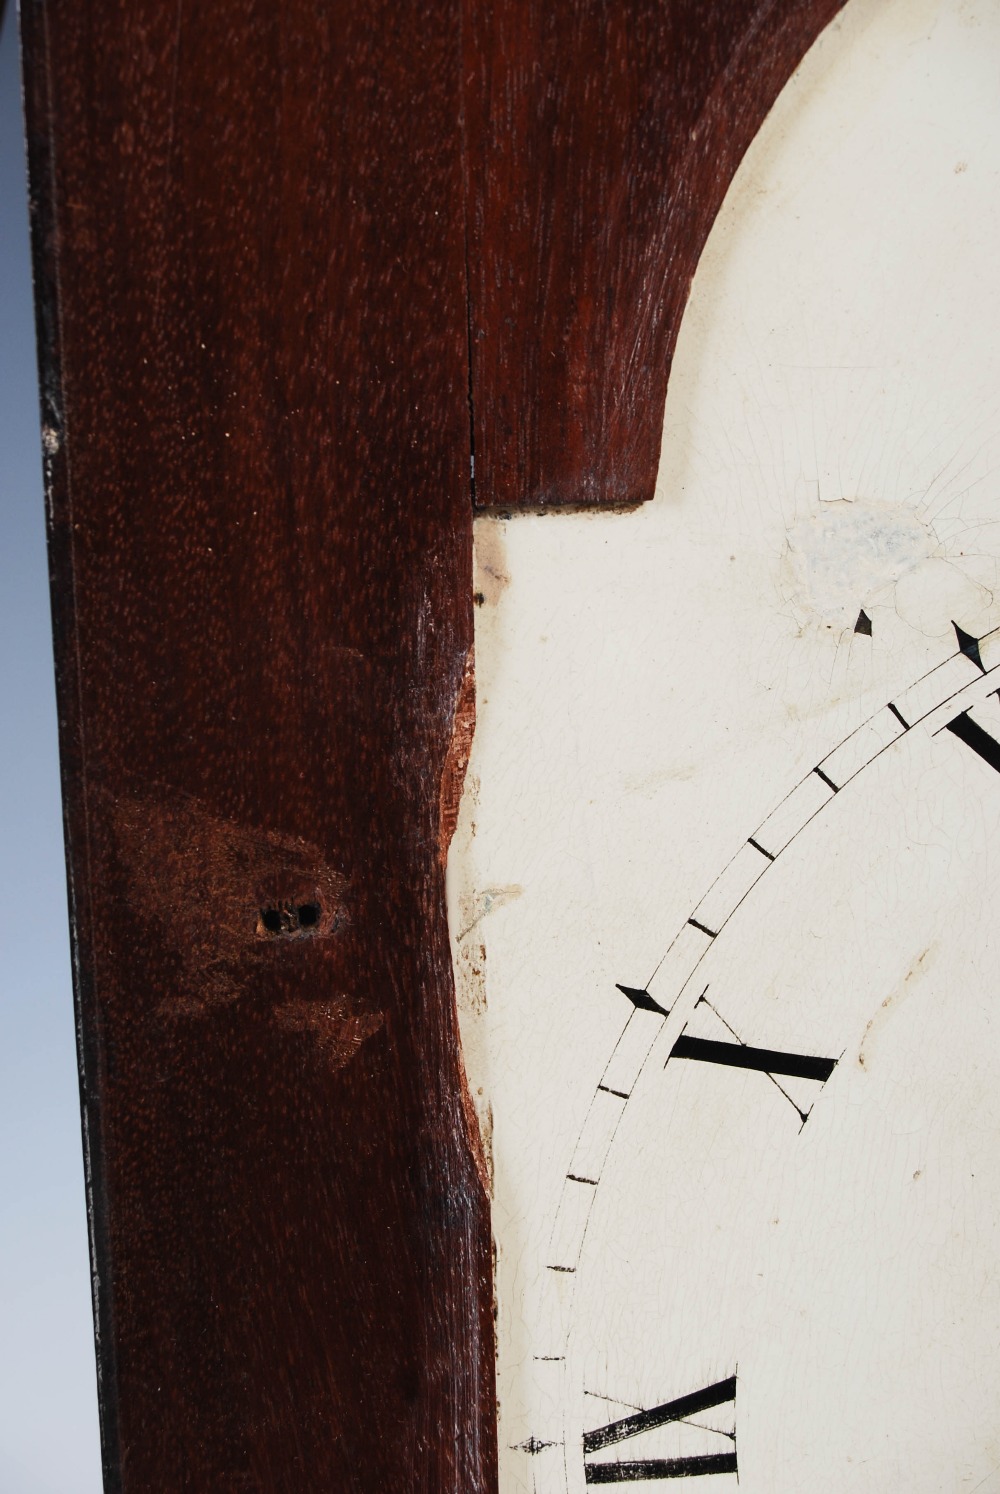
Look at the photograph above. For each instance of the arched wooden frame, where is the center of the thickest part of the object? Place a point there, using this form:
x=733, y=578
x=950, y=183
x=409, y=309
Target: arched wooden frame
x=295, y=264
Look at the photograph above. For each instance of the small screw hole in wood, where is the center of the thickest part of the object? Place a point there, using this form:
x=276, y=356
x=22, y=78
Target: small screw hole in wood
x=289, y=918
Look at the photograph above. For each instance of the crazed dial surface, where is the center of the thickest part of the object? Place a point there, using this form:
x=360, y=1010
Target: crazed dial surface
x=723, y=891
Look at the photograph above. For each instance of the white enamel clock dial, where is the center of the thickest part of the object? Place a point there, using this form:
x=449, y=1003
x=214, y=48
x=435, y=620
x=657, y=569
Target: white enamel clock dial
x=722, y=894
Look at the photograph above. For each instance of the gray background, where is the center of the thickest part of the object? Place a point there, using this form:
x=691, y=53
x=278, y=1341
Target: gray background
x=48, y=1401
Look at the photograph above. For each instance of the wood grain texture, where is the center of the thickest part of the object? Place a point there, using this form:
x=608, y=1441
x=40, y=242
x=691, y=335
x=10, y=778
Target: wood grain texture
x=253, y=230
x=253, y=315
x=601, y=140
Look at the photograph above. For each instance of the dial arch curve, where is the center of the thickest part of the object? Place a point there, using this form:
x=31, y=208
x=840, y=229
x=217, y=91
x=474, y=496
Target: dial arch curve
x=557, y=1025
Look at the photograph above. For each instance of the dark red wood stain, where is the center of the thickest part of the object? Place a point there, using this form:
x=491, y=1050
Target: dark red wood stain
x=253, y=224
x=602, y=137
x=261, y=548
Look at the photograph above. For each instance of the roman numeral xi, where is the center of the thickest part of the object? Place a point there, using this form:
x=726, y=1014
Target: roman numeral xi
x=646, y=1469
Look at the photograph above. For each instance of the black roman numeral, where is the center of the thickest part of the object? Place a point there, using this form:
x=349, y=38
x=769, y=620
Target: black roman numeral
x=649, y=1468
x=681, y=1409
x=764, y=1060
x=739, y=1055
x=973, y=735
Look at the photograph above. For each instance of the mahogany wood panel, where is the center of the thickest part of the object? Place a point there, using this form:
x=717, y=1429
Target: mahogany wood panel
x=602, y=137
x=253, y=315
x=253, y=231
